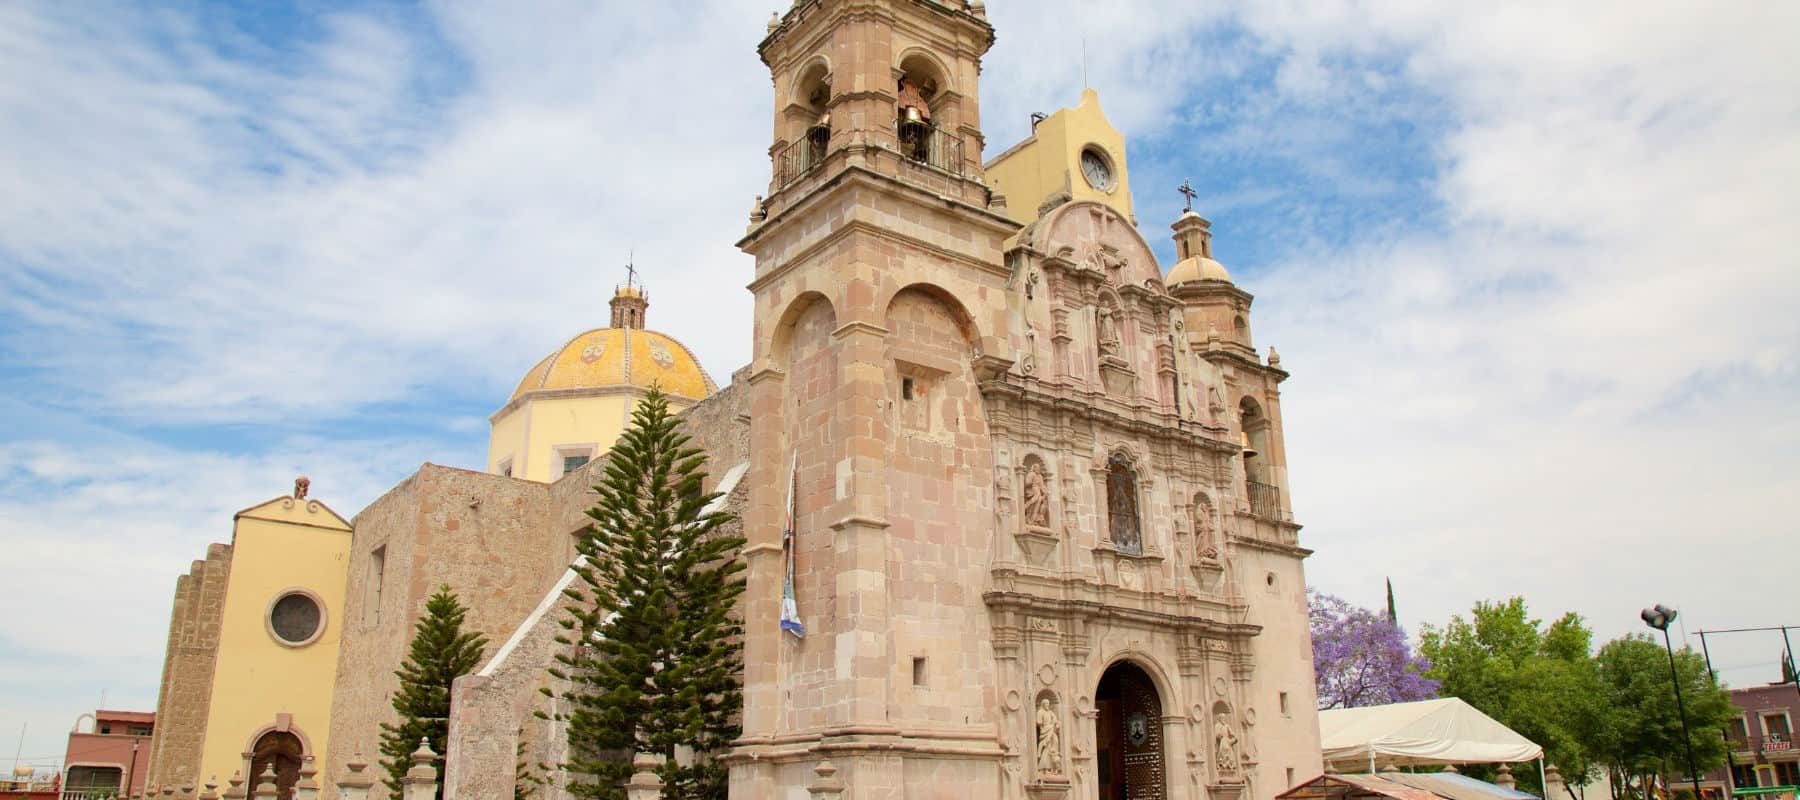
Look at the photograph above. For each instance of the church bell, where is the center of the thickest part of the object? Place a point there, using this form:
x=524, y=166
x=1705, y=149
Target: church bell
x=913, y=116
x=1249, y=450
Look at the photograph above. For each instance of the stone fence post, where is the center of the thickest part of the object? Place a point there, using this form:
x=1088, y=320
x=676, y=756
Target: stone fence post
x=420, y=782
x=235, y=787
x=211, y=791
x=826, y=785
x=645, y=784
x=308, y=786
x=265, y=785
x=1553, y=783
x=355, y=785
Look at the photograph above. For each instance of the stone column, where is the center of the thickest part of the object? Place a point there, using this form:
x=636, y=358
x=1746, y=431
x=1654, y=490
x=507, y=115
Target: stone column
x=355, y=785
x=420, y=782
x=645, y=784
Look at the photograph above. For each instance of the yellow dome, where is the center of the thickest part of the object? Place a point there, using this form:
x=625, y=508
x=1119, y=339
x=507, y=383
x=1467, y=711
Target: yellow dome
x=606, y=357
x=1198, y=268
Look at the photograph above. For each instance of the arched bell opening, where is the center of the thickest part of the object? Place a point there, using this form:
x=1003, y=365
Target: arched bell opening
x=813, y=93
x=1128, y=735
x=920, y=83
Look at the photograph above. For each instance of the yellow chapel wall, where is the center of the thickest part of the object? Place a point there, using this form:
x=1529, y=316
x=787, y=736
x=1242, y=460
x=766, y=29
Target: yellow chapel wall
x=281, y=545
x=534, y=432
x=1049, y=162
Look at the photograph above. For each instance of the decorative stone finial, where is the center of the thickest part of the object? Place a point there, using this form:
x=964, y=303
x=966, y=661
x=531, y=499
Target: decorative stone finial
x=645, y=784
x=978, y=8
x=774, y=21
x=758, y=212
x=826, y=785
x=1505, y=777
x=265, y=784
x=211, y=790
x=1274, y=357
x=301, y=485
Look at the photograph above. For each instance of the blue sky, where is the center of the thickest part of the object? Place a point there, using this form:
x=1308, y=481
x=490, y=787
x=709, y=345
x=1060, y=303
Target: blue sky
x=1528, y=266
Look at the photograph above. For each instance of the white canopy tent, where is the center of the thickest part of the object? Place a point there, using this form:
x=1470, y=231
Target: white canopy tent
x=1442, y=731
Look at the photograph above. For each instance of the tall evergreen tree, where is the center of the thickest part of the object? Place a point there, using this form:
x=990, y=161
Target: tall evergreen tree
x=654, y=654
x=441, y=652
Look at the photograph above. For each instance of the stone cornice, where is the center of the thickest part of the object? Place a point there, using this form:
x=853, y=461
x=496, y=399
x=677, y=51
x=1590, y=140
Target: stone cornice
x=859, y=175
x=1031, y=603
x=1266, y=546
x=1084, y=407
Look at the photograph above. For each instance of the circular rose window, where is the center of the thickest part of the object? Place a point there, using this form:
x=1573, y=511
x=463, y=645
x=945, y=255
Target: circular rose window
x=296, y=618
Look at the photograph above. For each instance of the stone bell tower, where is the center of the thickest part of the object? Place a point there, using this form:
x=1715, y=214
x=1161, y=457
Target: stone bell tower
x=880, y=306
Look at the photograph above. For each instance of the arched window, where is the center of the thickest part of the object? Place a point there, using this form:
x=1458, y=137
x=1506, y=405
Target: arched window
x=1122, y=505
x=283, y=751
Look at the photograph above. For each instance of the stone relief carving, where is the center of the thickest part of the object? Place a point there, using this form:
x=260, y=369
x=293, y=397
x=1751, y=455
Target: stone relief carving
x=1108, y=331
x=1206, y=549
x=1225, y=747
x=1037, y=495
x=593, y=352
x=1049, y=737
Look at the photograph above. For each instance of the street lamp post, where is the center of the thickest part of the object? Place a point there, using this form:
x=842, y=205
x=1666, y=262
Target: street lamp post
x=1659, y=616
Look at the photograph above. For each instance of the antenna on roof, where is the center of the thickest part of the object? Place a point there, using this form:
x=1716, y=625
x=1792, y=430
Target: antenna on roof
x=1084, y=82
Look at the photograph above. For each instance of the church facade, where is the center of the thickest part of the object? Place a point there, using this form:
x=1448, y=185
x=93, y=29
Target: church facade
x=1042, y=542
x=1042, y=547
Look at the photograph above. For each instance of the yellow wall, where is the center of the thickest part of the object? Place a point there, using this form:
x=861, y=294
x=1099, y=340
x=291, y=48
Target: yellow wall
x=278, y=545
x=532, y=431
x=1049, y=162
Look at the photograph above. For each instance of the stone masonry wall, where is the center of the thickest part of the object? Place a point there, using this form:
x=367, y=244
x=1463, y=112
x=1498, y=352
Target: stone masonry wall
x=470, y=530
x=185, y=695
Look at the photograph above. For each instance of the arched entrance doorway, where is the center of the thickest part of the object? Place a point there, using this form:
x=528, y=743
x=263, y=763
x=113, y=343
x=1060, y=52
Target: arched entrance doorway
x=284, y=751
x=1129, y=735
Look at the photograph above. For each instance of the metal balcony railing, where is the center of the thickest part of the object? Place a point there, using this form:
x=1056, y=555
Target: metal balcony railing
x=1265, y=500
x=802, y=156
x=923, y=143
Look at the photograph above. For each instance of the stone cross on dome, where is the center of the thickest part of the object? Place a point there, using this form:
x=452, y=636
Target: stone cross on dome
x=1187, y=191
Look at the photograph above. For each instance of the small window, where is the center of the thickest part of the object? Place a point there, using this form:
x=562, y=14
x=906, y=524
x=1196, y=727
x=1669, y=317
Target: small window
x=1290, y=776
x=1122, y=505
x=1284, y=703
x=906, y=388
x=138, y=730
x=572, y=463
x=918, y=671
x=377, y=577
x=296, y=619
x=1269, y=580
x=106, y=729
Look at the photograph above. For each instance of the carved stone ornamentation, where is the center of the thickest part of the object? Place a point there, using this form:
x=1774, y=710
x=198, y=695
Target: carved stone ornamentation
x=1108, y=331
x=1226, y=753
x=1037, y=496
x=1049, y=737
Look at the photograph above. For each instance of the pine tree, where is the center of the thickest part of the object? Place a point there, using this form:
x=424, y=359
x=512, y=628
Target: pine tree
x=654, y=656
x=441, y=652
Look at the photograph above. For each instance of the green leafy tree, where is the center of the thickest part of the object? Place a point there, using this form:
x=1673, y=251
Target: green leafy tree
x=441, y=652
x=1643, y=734
x=654, y=650
x=1538, y=680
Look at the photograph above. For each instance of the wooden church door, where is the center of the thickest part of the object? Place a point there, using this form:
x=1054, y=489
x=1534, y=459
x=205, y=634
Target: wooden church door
x=1129, y=736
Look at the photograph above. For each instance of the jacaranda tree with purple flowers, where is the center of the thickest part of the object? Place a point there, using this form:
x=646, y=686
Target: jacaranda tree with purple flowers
x=1361, y=658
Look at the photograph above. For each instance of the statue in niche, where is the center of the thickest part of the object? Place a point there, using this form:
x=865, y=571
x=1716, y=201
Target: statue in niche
x=1109, y=332
x=1204, y=547
x=1049, y=739
x=1037, y=497
x=1225, y=747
